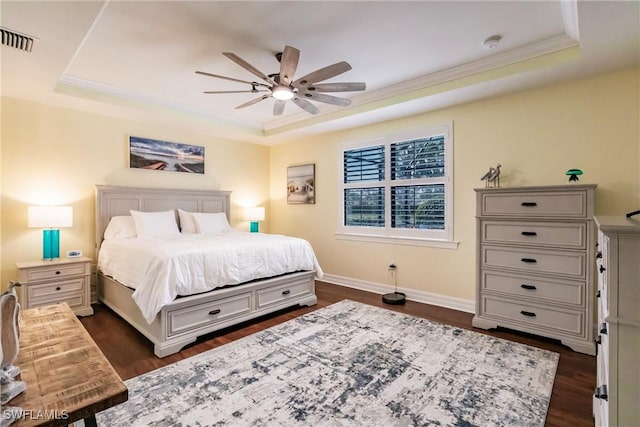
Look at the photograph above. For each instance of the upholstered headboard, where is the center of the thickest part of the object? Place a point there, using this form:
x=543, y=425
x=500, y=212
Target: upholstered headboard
x=113, y=200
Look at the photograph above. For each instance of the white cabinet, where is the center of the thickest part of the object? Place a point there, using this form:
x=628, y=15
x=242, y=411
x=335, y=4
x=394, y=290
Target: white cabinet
x=616, y=400
x=56, y=281
x=535, y=263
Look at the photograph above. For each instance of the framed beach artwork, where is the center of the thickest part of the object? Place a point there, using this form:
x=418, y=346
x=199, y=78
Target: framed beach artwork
x=301, y=184
x=152, y=154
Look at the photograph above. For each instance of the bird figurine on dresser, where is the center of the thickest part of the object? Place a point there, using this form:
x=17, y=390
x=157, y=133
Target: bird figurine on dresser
x=492, y=176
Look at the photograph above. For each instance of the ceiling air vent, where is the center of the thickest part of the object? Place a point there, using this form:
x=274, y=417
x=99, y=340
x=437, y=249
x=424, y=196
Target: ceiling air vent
x=16, y=40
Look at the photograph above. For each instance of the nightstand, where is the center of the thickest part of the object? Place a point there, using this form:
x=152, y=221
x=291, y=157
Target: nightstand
x=60, y=280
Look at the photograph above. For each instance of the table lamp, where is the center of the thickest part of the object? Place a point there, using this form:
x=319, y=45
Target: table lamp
x=254, y=215
x=51, y=218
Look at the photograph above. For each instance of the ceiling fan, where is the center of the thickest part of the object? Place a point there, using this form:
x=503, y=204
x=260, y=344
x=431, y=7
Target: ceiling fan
x=283, y=87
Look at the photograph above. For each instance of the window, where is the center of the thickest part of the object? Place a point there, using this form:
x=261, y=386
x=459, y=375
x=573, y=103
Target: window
x=399, y=187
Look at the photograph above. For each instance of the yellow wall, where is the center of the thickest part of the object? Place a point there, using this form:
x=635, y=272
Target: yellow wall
x=54, y=155
x=57, y=155
x=591, y=124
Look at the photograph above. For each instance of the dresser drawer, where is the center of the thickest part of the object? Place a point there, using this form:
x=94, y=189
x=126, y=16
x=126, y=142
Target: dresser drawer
x=570, y=264
x=565, y=321
x=600, y=412
x=603, y=357
x=534, y=287
x=279, y=294
x=602, y=301
x=197, y=316
x=54, y=272
x=566, y=204
x=562, y=235
x=76, y=300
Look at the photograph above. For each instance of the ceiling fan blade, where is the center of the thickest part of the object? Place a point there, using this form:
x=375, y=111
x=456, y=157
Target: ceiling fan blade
x=278, y=107
x=328, y=99
x=305, y=105
x=233, y=91
x=338, y=87
x=244, y=64
x=322, y=74
x=231, y=79
x=288, y=64
x=253, y=101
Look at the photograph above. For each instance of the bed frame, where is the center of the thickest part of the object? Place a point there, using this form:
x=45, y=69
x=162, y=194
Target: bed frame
x=186, y=318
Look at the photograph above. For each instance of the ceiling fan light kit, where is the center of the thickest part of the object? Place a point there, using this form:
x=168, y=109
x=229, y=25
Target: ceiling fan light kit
x=282, y=87
x=282, y=92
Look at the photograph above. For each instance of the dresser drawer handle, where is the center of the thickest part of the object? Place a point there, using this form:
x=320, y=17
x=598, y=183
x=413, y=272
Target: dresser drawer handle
x=602, y=269
x=603, y=328
x=529, y=233
x=216, y=311
x=599, y=255
x=57, y=288
x=528, y=260
x=529, y=204
x=57, y=272
x=601, y=392
x=287, y=292
x=528, y=287
x=528, y=313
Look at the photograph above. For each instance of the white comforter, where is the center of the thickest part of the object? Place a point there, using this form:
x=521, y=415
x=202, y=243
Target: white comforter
x=161, y=269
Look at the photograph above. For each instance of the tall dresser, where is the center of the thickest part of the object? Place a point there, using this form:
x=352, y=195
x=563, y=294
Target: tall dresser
x=535, y=262
x=616, y=399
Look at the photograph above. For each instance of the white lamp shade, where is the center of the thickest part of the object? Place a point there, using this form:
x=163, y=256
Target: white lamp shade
x=50, y=216
x=254, y=214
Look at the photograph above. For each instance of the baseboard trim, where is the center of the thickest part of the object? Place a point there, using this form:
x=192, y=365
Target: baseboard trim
x=460, y=304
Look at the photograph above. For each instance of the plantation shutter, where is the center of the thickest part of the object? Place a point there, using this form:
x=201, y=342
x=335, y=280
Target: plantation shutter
x=364, y=205
x=422, y=205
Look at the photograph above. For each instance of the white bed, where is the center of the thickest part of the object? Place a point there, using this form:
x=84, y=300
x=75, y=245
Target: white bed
x=170, y=322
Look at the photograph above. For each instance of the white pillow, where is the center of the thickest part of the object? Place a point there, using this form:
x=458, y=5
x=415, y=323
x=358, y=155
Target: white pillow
x=120, y=227
x=211, y=222
x=187, y=223
x=155, y=224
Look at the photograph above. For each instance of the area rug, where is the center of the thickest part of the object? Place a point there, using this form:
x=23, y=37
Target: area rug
x=348, y=364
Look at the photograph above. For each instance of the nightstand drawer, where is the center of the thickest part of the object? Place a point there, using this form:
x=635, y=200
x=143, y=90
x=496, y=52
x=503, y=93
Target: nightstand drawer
x=562, y=235
x=55, y=272
x=51, y=289
x=76, y=300
x=566, y=204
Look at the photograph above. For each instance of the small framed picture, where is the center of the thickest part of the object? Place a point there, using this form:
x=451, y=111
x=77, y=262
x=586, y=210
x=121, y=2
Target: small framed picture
x=301, y=184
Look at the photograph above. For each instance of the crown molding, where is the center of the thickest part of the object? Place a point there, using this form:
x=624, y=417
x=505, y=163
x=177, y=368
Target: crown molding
x=88, y=89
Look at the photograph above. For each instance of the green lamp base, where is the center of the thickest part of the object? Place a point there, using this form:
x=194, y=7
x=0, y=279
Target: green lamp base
x=50, y=244
x=254, y=227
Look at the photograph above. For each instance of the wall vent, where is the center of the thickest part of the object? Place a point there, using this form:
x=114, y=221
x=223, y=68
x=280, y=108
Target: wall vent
x=16, y=40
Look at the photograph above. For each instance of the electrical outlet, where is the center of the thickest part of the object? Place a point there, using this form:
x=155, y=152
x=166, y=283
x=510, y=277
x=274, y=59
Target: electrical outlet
x=74, y=253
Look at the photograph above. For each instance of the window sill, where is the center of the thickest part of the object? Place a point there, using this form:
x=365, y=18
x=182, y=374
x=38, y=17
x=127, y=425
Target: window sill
x=399, y=240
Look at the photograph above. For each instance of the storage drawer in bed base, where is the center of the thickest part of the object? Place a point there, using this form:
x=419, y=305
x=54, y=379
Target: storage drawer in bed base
x=185, y=319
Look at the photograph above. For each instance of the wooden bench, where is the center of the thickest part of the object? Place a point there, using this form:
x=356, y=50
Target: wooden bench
x=67, y=376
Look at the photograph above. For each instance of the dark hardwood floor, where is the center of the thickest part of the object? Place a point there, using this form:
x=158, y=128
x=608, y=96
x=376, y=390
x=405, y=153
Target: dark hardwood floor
x=131, y=354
